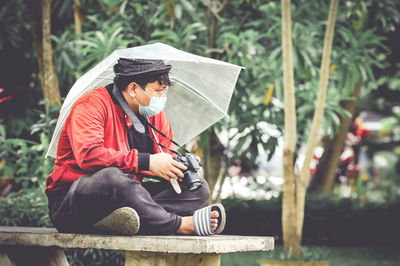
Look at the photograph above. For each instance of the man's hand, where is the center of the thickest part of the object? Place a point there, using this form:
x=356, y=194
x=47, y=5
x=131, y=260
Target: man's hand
x=162, y=165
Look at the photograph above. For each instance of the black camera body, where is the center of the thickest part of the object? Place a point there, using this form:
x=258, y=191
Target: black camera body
x=191, y=179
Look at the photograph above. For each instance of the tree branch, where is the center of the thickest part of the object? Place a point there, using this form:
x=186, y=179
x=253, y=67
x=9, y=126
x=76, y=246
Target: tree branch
x=243, y=21
x=216, y=12
x=224, y=4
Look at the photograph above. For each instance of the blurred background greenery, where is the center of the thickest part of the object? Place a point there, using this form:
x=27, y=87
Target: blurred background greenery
x=245, y=149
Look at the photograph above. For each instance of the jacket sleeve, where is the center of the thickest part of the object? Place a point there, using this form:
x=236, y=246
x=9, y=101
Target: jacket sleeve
x=86, y=133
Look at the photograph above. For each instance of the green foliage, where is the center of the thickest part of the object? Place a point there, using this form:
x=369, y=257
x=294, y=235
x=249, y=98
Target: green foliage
x=384, y=99
x=394, y=82
x=68, y=57
x=391, y=125
x=248, y=34
x=10, y=25
x=97, y=45
x=24, y=160
x=256, y=44
x=29, y=208
x=25, y=208
x=370, y=255
x=178, y=38
x=387, y=163
x=94, y=257
x=328, y=220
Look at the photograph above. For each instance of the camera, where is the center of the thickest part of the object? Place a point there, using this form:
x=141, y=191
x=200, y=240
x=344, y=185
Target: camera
x=191, y=179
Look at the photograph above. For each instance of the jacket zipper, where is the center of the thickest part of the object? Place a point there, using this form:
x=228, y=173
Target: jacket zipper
x=126, y=134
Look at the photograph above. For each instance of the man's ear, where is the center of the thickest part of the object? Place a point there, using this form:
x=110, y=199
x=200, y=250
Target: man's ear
x=131, y=89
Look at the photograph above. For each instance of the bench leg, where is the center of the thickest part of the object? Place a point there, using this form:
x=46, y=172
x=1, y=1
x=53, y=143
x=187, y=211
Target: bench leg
x=171, y=259
x=4, y=259
x=33, y=256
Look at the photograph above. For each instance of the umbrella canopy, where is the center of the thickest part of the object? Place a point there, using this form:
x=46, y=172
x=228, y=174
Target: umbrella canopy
x=200, y=95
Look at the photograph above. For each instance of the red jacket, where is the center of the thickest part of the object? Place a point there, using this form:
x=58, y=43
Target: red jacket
x=94, y=136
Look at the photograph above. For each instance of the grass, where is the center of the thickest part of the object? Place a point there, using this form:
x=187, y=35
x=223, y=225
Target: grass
x=336, y=256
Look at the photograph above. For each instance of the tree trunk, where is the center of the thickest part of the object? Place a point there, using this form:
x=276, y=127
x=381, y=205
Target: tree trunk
x=317, y=119
x=222, y=181
x=294, y=188
x=35, y=21
x=39, y=19
x=212, y=160
x=214, y=149
x=324, y=177
x=50, y=77
x=77, y=18
x=290, y=237
x=213, y=8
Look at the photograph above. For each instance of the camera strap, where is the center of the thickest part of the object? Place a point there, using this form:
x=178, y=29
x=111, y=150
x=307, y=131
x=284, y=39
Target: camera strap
x=174, y=183
x=124, y=105
x=165, y=136
x=138, y=124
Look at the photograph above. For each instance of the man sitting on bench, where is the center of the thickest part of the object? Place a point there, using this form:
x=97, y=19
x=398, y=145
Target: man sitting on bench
x=112, y=138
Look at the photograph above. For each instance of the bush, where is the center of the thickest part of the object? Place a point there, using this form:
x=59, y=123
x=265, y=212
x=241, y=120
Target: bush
x=94, y=257
x=25, y=208
x=327, y=220
x=28, y=207
x=24, y=161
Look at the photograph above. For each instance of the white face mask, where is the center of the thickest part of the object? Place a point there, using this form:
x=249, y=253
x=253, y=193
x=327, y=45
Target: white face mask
x=156, y=105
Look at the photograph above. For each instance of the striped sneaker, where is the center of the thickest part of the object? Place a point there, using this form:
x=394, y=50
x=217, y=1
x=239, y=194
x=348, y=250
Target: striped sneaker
x=202, y=220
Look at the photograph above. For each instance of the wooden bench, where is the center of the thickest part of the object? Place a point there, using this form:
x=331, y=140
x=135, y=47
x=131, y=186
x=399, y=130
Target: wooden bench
x=43, y=246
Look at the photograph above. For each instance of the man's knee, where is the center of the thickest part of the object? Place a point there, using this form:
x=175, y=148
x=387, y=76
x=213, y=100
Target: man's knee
x=204, y=192
x=110, y=178
x=109, y=172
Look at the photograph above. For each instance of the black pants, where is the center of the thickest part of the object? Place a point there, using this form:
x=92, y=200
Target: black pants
x=93, y=197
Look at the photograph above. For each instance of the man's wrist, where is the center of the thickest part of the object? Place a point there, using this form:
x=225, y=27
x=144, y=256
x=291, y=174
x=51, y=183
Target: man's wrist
x=143, y=161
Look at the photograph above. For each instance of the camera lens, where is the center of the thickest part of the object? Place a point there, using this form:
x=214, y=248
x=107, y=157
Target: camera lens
x=195, y=187
x=192, y=181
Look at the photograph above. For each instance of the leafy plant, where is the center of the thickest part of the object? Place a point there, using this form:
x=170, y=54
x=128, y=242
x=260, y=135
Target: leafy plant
x=97, y=45
x=24, y=160
x=92, y=257
x=25, y=208
x=10, y=27
x=328, y=220
x=29, y=208
x=67, y=59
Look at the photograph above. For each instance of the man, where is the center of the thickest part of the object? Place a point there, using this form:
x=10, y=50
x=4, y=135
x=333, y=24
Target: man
x=106, y=147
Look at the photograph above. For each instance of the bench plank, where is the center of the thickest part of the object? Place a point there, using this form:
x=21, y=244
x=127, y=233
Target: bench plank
x=45, y=237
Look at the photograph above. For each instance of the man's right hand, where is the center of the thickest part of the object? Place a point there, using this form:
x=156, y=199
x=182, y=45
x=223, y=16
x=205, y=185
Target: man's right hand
x=162, y=165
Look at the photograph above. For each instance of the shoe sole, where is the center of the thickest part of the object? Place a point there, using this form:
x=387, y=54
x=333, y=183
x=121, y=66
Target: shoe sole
x=124, y=221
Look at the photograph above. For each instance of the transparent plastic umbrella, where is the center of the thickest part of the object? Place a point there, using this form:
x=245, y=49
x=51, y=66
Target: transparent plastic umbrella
x=200, y=95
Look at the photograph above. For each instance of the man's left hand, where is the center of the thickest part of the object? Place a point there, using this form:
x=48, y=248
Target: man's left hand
x=198, y=159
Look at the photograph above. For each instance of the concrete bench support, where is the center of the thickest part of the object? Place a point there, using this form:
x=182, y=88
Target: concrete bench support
x=32, y=256
x=170, y=259
x=43, y=246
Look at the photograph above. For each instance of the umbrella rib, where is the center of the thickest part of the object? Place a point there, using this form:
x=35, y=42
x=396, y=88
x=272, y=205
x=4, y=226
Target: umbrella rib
x=194, y=91
x=190, y=89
